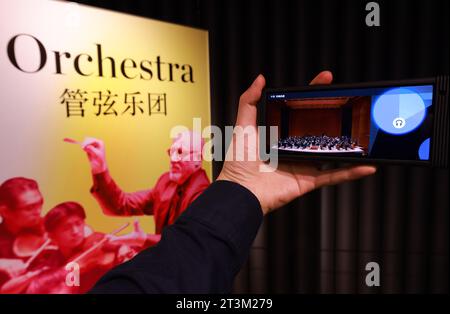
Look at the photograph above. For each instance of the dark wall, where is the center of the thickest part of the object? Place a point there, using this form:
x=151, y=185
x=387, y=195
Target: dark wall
x=315, y=122
x=399, y=217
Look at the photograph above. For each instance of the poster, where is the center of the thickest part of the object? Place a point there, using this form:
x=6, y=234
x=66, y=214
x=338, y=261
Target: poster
x=75, y=81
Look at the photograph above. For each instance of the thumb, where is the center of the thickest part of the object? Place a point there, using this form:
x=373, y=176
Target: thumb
x=323, y=78
x=247, y=111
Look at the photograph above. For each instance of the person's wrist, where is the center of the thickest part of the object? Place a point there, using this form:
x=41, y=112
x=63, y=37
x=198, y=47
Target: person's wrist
x=99, y=169
x=249, y=186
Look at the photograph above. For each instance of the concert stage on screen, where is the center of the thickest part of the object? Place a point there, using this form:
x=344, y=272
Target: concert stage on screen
x=329, y=145
x=389, y=122
x=326, y=126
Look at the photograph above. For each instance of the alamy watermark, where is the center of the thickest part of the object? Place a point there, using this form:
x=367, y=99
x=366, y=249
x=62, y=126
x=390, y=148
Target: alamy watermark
x=373, y=275
x=244, y=143
x=373, y=17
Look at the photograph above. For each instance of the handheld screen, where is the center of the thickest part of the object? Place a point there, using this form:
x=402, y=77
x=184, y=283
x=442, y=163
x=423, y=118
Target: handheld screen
x=394, y=123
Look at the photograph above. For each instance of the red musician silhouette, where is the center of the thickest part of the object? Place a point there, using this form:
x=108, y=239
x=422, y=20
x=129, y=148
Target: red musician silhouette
x=22, y=232
x=79, y=257
x=171, y=195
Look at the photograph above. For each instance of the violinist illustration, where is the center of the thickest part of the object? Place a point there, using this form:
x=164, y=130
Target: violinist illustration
x=22, y=230
x=35, y=250
x=93, y=252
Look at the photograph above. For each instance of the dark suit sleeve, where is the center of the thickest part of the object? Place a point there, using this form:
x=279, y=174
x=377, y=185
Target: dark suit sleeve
x=200, y=253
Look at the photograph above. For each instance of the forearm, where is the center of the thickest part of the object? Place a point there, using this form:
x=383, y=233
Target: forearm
x=49, y=281
x=20, y=284
x=114, y=201
x=200, y=253
x=16, y=285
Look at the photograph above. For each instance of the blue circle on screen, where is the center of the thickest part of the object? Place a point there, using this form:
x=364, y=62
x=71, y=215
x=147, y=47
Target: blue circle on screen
x=399, y=111
x=424, y=150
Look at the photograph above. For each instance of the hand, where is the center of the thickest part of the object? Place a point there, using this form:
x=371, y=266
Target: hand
x=290, y=180
x=13, y=267
x=125, y=253
x=136, y=238
x=95, y=150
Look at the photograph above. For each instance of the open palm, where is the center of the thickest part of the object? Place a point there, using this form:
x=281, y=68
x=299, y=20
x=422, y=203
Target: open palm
x=290, y=179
